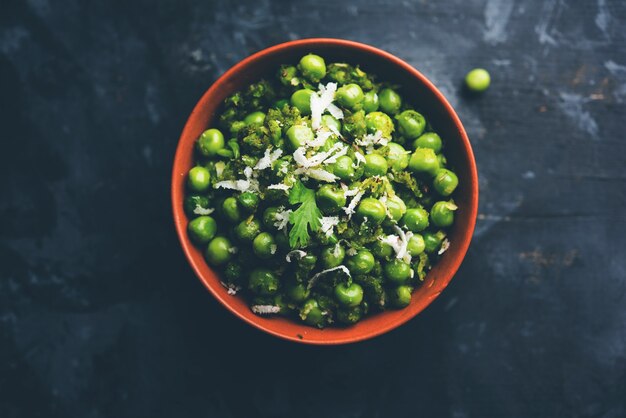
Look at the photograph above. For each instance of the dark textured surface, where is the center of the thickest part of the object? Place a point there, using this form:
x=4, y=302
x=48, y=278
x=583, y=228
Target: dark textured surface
x=100, y=316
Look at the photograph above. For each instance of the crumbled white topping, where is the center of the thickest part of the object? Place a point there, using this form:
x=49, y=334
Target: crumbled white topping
x=233, y=250
x=299, y=253
x=335, y=131
x=321, y=273
x=351, y=251
x=219, y=168
x=349, y=192
x=321, y=101
x=328, y=223
x=343, y=150
x=360, y=158
x=317, y=159
x=444, y=246
x=368, y=141
x=249, y=184
x=265, y=309
x=335, y=111
x=231, y=289
x=268, y=159
x=279, y=186
x=320, y=138
x=350, y=209
x=282, y=218
x=318, y=174
x=273, y=249
x=399, y=243
x=199, y=210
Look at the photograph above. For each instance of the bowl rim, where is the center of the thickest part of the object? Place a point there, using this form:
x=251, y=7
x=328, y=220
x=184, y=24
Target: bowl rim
x=465, y=236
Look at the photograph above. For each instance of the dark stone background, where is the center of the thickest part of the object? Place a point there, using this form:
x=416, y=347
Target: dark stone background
x=100, y=315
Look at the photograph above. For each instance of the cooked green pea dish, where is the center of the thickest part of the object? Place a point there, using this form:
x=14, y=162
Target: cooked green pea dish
x=320, y=194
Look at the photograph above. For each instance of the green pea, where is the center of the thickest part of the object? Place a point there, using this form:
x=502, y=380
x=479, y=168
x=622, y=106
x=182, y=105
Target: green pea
x=443, y=161
x=330, y=122
x=332, y=256
x=343, y=168
x=287, y=75
x=330, y=199
x=361, y=263
x=415, y=219
x=312, y=314
x=349, y=316
x=281, y=103
x=218, y=251
x=297, y=292
x=370, y=101
x=193, y=202
x=424, y=160
x=263, y=282
x=478, y=80
x=308, y=261
x=264, y=246
x=299, y=135
x=313, y=67
x=230, y=209
x=411, y=124
x=254, y=118
x=198, y=179
x=233, y=272
x=397, y=271
x=349, y=295
x=400, y=296
x=442, y=214
x=428, y=140
x=350, y=96
x=302, y=100
x=372, y=209
x=379, y=121
x=433, y=240
x=389, y=101
x=382, y=250
x=398, y=157
x=202, y=229
x=248, y=201
x=247, y=230
x=269, y=217
x=416, y=245
x=210, y=142
x=396, y=208
x=445, y=182
x=375, y=165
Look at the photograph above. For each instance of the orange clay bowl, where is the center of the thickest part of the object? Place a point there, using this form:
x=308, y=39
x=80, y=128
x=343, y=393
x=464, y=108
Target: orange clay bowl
x=414, y=88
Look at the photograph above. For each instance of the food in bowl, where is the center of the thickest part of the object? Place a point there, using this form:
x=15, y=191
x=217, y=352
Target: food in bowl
x=320, y=194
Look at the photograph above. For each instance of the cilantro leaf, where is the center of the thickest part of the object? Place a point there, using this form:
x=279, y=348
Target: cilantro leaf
x=306, y=216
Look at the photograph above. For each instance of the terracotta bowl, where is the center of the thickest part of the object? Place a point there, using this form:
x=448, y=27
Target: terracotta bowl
x=416, y=89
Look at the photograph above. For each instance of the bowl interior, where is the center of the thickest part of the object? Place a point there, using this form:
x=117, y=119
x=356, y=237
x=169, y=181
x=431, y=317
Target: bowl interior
x=415, y=88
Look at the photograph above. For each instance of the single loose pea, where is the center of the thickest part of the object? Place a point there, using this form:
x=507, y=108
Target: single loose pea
x=478, y=80
x=218, y=251
x=424, y=160
x=297, y=292
x=269, y=217
x=330, y=199
x=263, y=245
x=281, y=103
x=230, y=209
x=445, y=182
x=332, y=256
x=442, y=214
x=416, y=219
x=302, y=100
x=254, y=118
x=330, y=122
x=397, y=271
x=287, y=75
x=313, y=67
x=428, y=140
x=349, y=316
x=343, y=168
x=398, y=157
x=375, y=165
x=433, y=240
x=210, y=142
x=248, y=201
x=411, y=124
x=350, y=96
x=299, y=135
x=372, y=209
x=308, y=261
x=389, y=101
x=349, y=295
x=202, y=229
x=382, y=250
x=312, y=314
x=396, y=208
x=370, y=101
x=198, y=179
x=361, y=263
x=379, y=121
x=400, y=297
x=416, y=245
x=247, y=230
x=263, y=282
